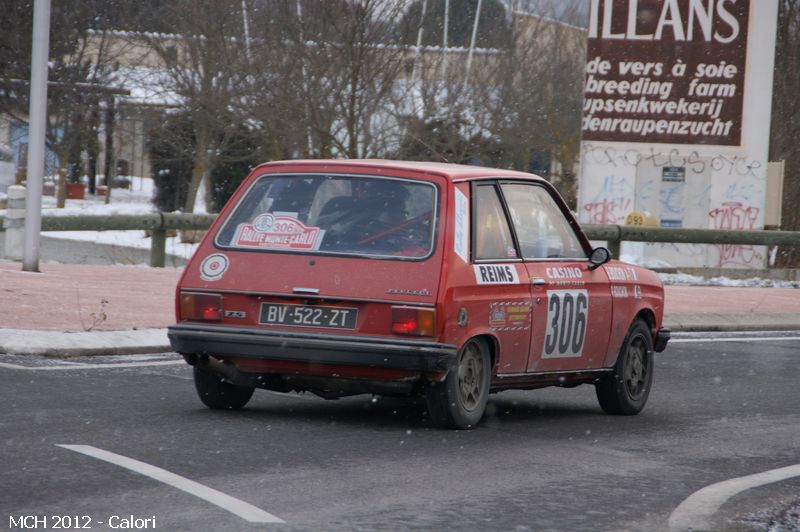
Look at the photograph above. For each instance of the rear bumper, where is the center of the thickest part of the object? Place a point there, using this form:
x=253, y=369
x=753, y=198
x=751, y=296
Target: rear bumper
x=662, y=337
x=221, y=341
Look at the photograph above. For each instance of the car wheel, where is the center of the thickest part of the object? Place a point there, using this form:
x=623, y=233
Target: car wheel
x=216, y=393
x=625, y=391
x=459, y=401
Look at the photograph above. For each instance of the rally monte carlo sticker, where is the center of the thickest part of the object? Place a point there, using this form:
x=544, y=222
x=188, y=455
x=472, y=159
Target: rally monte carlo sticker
x=278, y=231
x=213, y=267
x=496, y=274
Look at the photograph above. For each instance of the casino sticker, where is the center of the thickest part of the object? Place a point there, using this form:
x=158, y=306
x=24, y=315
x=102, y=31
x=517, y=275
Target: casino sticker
x=213, y=267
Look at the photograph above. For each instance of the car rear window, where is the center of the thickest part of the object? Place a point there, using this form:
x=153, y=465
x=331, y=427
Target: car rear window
x=334, y=214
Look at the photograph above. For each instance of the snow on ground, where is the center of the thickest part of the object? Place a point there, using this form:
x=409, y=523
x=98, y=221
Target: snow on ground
x=698, y=280
x=753, y=282
x=136, y=200
x=646, y=262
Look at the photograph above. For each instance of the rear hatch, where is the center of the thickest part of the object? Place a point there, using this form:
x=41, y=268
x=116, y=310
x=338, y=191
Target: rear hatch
x=325, y=252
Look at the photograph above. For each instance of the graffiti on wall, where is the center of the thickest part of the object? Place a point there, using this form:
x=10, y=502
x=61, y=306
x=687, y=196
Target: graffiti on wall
x=721, y=164
x=720, y=191
x=612, y=202
x=736, y=216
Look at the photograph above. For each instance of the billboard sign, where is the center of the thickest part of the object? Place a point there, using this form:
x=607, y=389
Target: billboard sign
x=676, y=116
x=666, y=71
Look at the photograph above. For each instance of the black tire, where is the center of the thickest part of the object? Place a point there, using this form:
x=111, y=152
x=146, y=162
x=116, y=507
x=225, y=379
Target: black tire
x=219, y=394
x=459, y=401
x=626, y=390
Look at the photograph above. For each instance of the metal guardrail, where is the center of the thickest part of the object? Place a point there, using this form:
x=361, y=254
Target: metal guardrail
x=159, y=223
x=616, y=234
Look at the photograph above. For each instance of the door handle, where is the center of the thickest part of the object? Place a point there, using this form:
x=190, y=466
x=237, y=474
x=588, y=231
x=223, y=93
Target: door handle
x=538, y=281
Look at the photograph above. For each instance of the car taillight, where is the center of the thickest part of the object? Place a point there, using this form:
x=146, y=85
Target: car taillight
x=414, y=321
x=201, y=307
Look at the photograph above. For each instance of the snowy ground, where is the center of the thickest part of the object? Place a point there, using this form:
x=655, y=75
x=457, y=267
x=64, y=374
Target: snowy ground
x=137, y=200
x=753, y=282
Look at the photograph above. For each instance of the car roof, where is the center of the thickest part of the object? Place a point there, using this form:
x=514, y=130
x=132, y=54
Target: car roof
x=453, y=172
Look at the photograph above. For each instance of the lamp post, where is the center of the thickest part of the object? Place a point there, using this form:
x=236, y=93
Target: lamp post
x=37, y=116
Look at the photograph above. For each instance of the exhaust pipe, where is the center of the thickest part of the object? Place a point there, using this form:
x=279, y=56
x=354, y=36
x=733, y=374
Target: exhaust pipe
x=220, y=369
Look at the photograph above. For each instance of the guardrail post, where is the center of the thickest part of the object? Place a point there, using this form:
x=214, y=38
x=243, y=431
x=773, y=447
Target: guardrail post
x=614, y=247
x=158, y=243
x=158, y=247
x=14, y=222
x=615, y=243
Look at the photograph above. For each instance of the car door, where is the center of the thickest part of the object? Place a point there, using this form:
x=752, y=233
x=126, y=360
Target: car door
x=500, y=297
x=572, y=305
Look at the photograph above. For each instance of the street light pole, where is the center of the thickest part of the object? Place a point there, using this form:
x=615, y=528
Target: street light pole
x=444, y=39
x=37, y=117
x=472, y=43
x=419, y=40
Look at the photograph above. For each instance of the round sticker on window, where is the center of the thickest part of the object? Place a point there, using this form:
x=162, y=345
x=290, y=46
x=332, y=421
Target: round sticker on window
x=264, y=222
x=213, y=267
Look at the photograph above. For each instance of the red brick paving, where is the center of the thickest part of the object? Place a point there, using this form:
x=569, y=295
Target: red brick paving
x=64, y=297
x=722, y=299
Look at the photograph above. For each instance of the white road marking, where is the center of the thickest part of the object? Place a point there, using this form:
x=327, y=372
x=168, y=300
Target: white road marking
x=226, y=502
x=734, y=339
x=695, y=512
x=93, y=366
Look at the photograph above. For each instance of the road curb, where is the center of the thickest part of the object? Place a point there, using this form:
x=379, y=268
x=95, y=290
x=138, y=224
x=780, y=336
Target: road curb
x=65, y=344
x=729, y=322
x=73, y=344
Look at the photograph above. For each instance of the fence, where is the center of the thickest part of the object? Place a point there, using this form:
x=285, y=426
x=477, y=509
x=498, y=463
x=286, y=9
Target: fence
x=159, y=223
x=156, y=223
x=616, y=234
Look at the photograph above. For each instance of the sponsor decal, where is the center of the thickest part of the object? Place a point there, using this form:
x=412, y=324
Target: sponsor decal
x=619, y=292
x=567, y=317
x=510, y=315
x=564, y=272
x=461, y=240
x=567, y=283
x=276, y=231
x=213, y=267
x=496, y=274
x=637, y=291
x=621, y=274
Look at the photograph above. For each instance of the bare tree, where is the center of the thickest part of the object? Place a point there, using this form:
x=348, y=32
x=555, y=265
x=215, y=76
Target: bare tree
x=786, y=117
x=206, y=66
x=534, y=95
x=328, y=68
x=444, y=114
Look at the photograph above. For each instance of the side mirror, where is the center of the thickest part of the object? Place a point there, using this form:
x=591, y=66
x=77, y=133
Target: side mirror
x=599, y=257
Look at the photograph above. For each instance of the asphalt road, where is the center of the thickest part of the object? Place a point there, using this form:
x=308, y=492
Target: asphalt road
x=542, y=460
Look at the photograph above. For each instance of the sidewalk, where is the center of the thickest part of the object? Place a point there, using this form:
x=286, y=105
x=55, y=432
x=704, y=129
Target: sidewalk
x=79, y=309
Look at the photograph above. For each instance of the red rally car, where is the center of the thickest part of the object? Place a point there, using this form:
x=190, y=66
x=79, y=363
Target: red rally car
x=401, y=278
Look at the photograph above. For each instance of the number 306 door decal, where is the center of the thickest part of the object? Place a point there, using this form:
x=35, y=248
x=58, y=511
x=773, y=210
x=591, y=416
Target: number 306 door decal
x=567, y=314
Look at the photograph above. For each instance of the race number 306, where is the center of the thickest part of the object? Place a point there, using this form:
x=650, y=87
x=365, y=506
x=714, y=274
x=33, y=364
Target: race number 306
x=565, y=332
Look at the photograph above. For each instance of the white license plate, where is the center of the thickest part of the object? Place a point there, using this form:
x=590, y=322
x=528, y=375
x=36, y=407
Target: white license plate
x=308, y=316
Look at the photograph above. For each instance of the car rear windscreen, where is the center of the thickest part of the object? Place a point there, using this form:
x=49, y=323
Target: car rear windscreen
x=334, y=214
